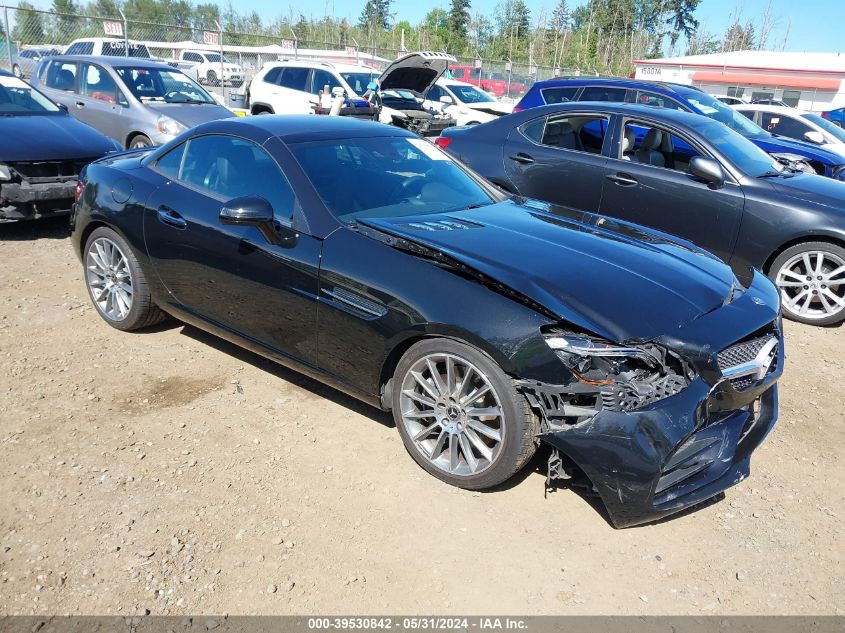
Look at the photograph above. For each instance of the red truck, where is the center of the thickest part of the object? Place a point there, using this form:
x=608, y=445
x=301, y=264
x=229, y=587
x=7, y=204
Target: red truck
x=497, y=87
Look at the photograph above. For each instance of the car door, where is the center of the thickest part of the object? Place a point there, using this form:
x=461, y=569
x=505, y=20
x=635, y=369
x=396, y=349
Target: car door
x=291, y=95
x=649, y=184
x=100, y=102
x=60, y=84
x=231, y=275
x=559, y=158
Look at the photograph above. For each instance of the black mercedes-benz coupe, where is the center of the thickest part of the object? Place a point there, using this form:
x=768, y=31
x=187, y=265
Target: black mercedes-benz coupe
x=367, y=258
x=682, y=173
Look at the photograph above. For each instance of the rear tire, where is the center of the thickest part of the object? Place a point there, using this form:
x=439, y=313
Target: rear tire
x=116, y=284
x=17, y=72
x=811, y=280
x=472, y=443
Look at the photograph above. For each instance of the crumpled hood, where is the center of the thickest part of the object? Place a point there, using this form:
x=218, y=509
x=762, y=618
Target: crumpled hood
x=820, y=190
x=415, y=71
x=191, y=114
x=50, y=137
x=617, y=280
x=784, y=145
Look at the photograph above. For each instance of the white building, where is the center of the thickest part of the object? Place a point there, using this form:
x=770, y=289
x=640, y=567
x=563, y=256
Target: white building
x=810, y=81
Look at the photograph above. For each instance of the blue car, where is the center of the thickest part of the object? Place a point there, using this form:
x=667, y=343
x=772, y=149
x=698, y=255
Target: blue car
x=837, y=117
x=679, y=97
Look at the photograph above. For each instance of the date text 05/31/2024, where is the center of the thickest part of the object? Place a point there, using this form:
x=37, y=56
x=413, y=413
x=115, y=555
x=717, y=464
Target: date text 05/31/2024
x=424, y=623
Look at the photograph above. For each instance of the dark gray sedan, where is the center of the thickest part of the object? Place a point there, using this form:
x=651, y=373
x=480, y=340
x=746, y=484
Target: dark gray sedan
x=681, y=173
x=137, y=102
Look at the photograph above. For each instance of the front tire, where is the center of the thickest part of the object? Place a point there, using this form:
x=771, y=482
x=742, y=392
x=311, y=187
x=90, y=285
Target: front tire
x=811, y=281
x=116, y=284
x=16, y=70
x=211, y=78
x=460, y=416
x=140, y=141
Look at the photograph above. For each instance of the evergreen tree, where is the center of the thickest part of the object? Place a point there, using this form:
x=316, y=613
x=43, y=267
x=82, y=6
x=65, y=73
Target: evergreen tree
x=459, y=19
x=680, y=20
x=29, y=25
x=376, y=15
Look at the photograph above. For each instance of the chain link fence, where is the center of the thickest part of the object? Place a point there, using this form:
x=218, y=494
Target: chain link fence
x=229, y=60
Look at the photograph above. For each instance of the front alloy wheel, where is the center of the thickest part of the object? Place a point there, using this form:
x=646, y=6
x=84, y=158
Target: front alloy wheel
x=460, y=416
x=811, y=280
x=109, y=279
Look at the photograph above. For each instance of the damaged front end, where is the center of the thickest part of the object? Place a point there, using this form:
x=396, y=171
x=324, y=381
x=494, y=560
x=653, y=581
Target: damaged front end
x=660, y=426
x=35, y=189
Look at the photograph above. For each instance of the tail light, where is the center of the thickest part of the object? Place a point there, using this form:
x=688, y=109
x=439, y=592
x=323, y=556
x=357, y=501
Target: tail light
x=80, y=188
x=442, y=142
x=518, y=109
x=825, y=115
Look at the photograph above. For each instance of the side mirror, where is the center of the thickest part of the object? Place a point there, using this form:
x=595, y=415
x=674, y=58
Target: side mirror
x=338, y=91
x=62, y=107
x=814, y=137
x=246, y=211
x=446, y=99
x=707, y=170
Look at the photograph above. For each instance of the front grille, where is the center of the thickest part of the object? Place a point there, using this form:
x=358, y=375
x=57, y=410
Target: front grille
x=52, y=169
x=744, y=353
x=741, y=352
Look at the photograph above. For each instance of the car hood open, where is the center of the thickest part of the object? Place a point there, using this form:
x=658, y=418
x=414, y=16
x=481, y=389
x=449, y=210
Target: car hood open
x=617, y=280
x=49, y=137
x=415, y=71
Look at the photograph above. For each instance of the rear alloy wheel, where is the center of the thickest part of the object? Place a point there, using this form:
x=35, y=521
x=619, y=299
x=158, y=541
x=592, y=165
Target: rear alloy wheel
x=811, y=280
x=211, y=78
x=460, y=416
x=116, y=284
x=16, y=70
x=140, y=141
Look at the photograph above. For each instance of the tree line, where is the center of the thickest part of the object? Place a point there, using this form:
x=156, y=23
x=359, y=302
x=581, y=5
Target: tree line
x=600, y=35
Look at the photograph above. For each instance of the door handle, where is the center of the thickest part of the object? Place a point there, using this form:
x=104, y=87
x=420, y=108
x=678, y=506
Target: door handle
x=80, y=104
x=523, y=158
x=169, y=216
x=623, y=180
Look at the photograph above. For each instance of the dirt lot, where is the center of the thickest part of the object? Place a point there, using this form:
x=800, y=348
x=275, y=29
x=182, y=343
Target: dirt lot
x=169, y=471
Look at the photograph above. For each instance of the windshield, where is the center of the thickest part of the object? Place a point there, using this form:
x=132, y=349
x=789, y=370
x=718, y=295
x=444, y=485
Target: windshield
x=19, y=98
x=387, y=177
x=827, y=126
x=471, y=94
x=154, y=85
x=715, y=109
x=359, y=81
x=744, y=154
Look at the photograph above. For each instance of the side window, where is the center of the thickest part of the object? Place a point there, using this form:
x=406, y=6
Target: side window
x=294, y=78
x=230, y=167
x=748, y=114
x=458, y=73
x=272, y=75
x=435, y=93
x=644, y=97
x=784, y=125
x=62, y=76
x=534, y=129
x=320, y=79
x=97, y=84
x=558, y=95
x=657, y=147
x=74, y=49
x=171, y=162
x=602, y=93
x=580, y=133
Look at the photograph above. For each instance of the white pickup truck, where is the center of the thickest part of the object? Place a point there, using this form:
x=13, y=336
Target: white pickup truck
x=211, y=67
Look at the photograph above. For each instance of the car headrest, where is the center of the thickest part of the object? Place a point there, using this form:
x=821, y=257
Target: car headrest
x=653, y=139
x=565, y=127
x=553, y=129
x=629, y=140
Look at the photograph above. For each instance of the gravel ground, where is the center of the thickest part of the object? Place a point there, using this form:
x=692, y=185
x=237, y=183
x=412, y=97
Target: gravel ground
x=172, y=473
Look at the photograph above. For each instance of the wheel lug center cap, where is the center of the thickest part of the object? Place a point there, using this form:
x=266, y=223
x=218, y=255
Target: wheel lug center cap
x=453, y=412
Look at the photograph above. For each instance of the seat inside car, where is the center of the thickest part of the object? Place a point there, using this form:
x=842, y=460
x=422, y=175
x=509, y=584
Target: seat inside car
x=650, y=152
x=562, y=134
x=628, y=143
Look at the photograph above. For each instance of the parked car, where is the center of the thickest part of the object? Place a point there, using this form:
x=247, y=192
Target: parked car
x=494, y=83
x=771, y=102
x=681, y=173
x=794, y=123
x=42, y=152
x=467, y=104
x=293, y=87
x=108, y=47
x=732, y=101
x=211, y=66
x=25, y=62
x=366, y=258
x=837, y=117
x=691, y=99
x=137, y=102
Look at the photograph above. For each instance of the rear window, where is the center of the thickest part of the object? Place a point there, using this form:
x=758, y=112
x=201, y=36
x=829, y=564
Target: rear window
x=603, y=93
x=558, y=95
x=294, y=78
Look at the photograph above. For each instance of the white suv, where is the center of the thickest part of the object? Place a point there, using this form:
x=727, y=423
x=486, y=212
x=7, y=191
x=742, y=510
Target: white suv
x=211, y=66
x=293, y=87
x=107, y=46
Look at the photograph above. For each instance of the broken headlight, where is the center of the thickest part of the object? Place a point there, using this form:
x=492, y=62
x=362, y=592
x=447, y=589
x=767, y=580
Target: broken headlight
x=618, y=378
x=5, y=173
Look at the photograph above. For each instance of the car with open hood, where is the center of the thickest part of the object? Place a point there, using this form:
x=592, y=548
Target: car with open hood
x=466, y=103
x=368, y=259
x=294, y=87
x=42, y=152
x=138, y=102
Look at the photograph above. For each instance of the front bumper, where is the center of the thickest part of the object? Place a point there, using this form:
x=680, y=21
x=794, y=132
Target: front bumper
x=30, y=201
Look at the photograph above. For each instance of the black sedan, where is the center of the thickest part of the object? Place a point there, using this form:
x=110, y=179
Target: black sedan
x=681, y=173
x=365, y=257
x=42, y=151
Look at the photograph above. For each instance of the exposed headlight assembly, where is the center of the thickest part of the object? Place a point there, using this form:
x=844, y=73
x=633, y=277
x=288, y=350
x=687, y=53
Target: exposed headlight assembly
x=618, y=378
x=169, y=126
x=5, y=173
